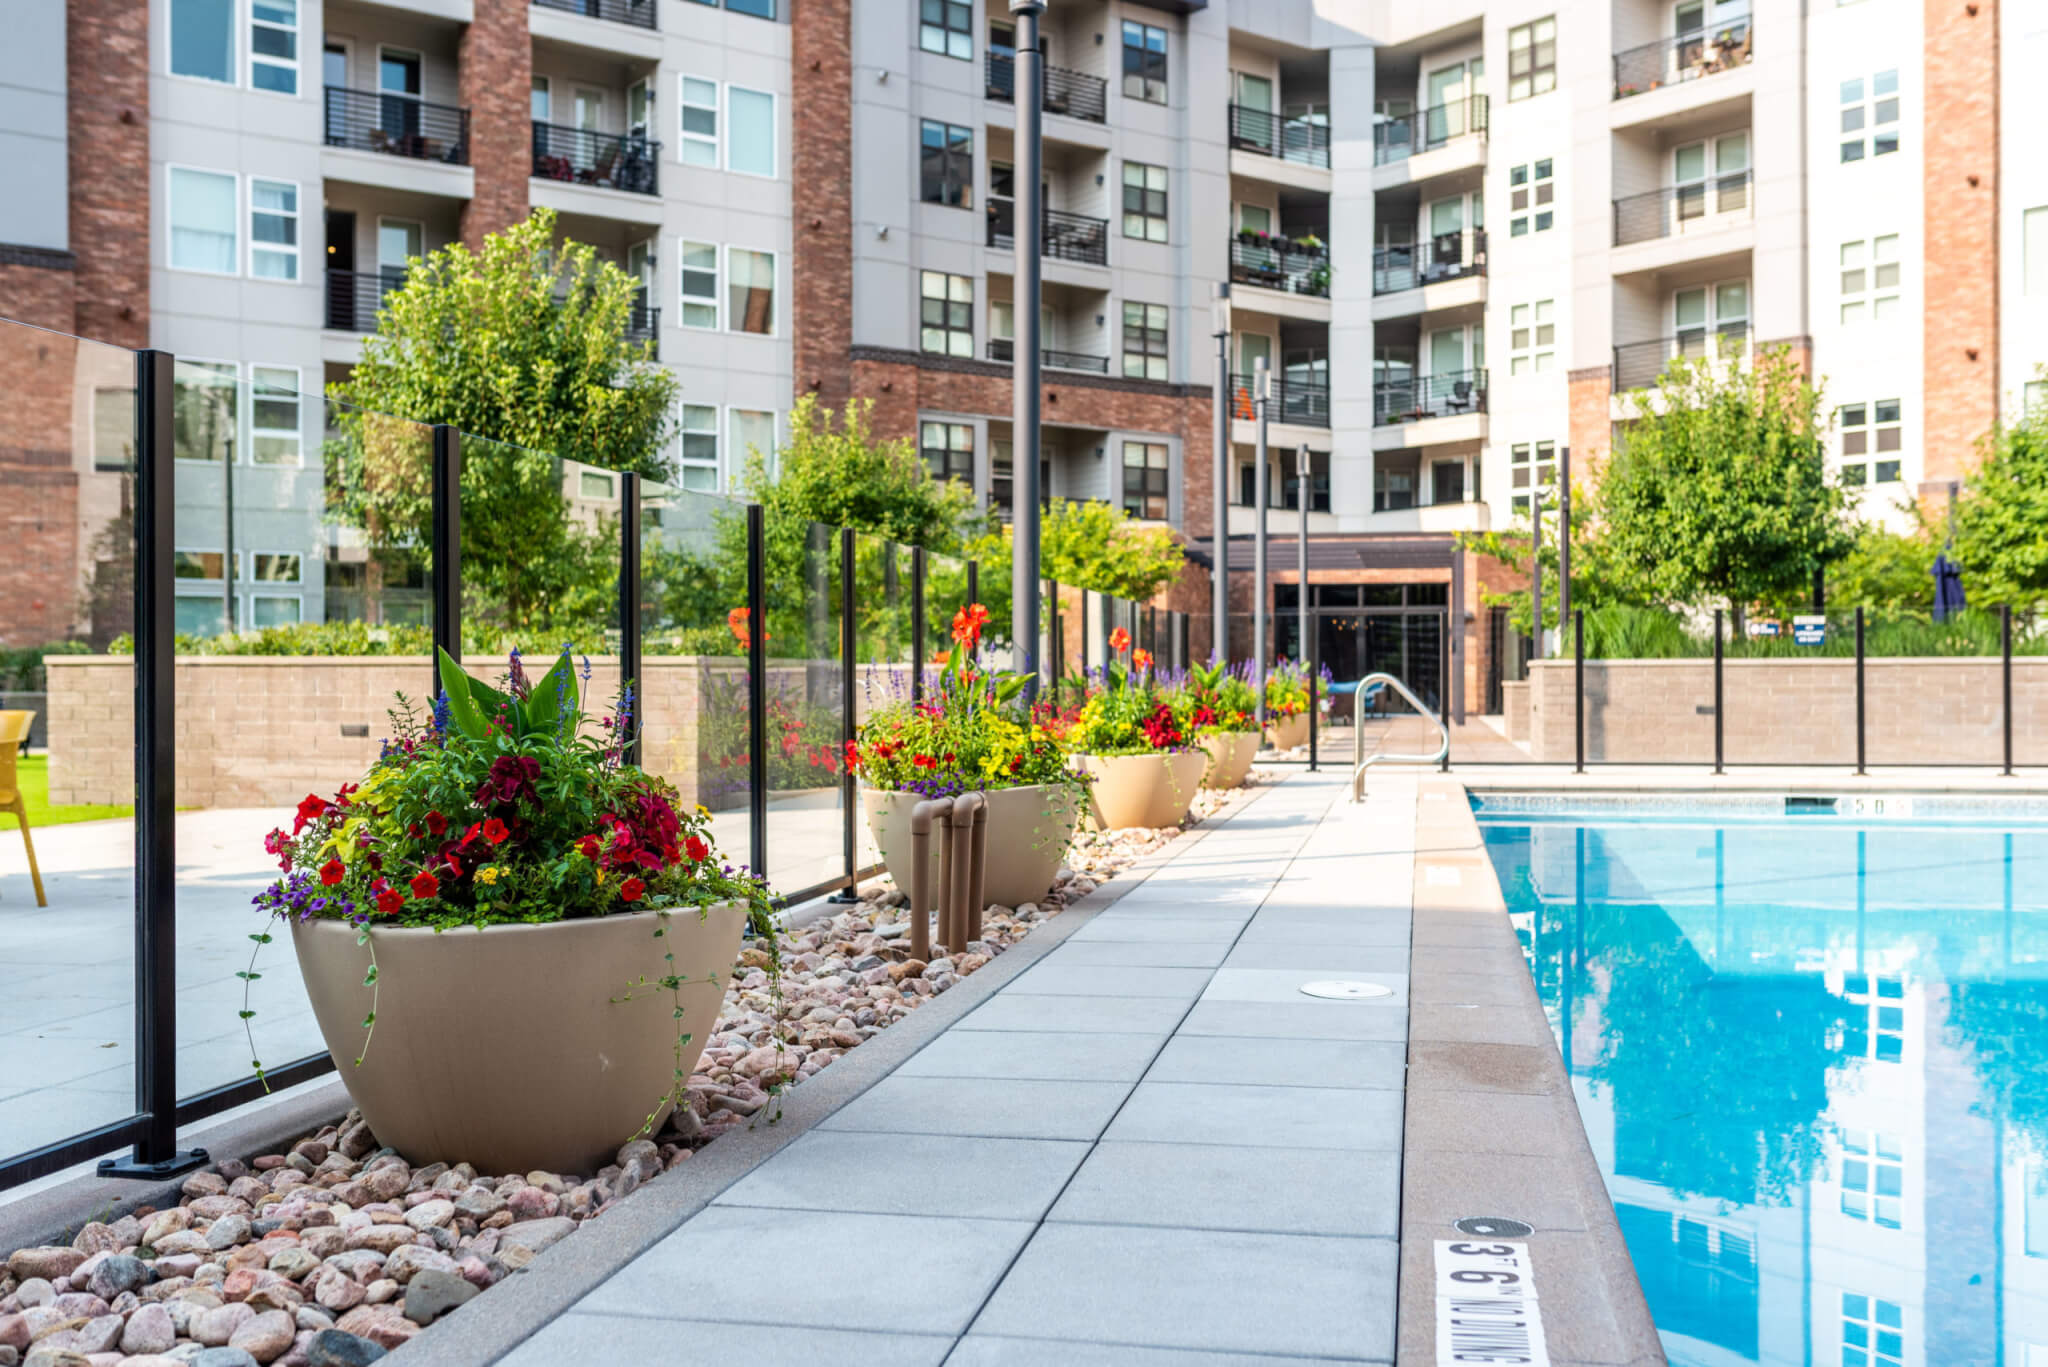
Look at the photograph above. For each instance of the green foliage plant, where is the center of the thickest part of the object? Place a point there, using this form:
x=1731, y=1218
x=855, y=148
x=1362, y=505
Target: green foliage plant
x=1286, y=689
x=1132, y=711
x=2001, y=517
x=1222, y=698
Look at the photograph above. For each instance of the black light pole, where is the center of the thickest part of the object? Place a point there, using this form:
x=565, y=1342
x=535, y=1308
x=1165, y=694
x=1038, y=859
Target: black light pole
x=1029, y=208
x=1301, y=564
x=1536, y=568
x=227, y=571
x=1219, y=491
x=1262, y=385
x=1564, y=533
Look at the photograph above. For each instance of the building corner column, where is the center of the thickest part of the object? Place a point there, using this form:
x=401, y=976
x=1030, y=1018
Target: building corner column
x=107, y=121
x=821, y=119
x=495, y=76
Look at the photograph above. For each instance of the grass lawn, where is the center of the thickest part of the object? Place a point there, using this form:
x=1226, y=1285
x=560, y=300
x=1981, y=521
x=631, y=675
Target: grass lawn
x=34, y=774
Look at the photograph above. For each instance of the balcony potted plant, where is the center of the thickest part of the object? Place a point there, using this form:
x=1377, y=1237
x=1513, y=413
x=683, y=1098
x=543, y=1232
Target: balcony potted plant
x=1131, y=737
x=970, y=732
x=515, y=943
x=1225, y=725
x=1287, y=705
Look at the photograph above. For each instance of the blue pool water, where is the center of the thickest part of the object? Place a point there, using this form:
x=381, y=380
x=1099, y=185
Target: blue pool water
x=1811, y=1053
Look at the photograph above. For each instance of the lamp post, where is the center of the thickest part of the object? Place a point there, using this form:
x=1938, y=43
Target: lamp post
x=1219, y=493
x=1536, y=567
x=1262, y=394
x=1029, y=209
x=1301, y=557
x=1564, y=534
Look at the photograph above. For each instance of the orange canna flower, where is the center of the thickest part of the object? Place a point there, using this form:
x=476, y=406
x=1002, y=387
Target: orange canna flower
x=1142, y=658
x=967, y=624
x=1119, y=640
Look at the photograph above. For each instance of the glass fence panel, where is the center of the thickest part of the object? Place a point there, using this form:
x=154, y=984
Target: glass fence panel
x=67, y=1014
x=1649, y=690
x=806, y=739
x=1788, y=691
x=1934, y=691
x=882, y=645
x=540, y=558
x=945, y=594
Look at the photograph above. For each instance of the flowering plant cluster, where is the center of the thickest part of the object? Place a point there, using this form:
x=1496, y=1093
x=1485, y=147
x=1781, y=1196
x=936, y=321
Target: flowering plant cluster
x=1223, y=699
x=1286, y=689
x=1132, y=712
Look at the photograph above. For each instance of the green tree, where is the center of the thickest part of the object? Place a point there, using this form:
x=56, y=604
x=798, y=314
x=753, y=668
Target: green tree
x=1885, y=571
x=1718, y=490
x=2002, y=516
x=1597, y=579
x=523, y=347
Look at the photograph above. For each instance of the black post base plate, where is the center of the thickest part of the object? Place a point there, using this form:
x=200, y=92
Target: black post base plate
x=184, y=1161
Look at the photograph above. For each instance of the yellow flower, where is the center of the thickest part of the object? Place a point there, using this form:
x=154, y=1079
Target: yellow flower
x=488, y=874
x=703, y=810
x=600, y=875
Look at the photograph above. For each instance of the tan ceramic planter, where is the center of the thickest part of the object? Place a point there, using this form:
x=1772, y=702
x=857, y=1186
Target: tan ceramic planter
x=1288, y=732
x=1230, y=758
x=1029, y=830
x=1144, y=790
x=506, y=1047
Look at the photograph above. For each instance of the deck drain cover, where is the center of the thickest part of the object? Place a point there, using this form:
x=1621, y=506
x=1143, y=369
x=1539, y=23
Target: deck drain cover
x=1494, y=1227
x=1346, y=989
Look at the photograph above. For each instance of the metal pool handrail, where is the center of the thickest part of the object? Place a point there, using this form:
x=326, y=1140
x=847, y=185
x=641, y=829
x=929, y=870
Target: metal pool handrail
x=1360, y=763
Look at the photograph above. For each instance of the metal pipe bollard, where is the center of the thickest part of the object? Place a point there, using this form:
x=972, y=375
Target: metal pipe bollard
x=963, y=851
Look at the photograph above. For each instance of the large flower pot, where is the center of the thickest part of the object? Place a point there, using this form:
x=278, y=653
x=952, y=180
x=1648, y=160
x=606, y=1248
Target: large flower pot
x=511, y=1048
x=1230, y=757
x=1029, y=829
x=1288, y=732
x=1144, y=790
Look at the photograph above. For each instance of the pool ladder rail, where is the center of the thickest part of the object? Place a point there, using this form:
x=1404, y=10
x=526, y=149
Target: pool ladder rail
x=1361, y=761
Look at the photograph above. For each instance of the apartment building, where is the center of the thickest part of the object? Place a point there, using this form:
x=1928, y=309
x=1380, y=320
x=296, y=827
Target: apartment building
x=818, y=195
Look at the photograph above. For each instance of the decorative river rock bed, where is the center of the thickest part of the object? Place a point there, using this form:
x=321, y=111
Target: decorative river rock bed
x=336, y=1251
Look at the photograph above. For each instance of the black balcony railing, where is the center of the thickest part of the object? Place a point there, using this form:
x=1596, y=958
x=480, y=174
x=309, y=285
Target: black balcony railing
x=638, y=13
x=1005, y=349
x=1428, y=396
x=1637, y=365
x=616, y=161
x=353, y=297
x=1070, y=237
x=397, y=125
x=1687, y=57
x=643, y=324
x=1273, y=135
x=1073, y=93
x=1447, y=256
x=1303, y=399
x=1677, y=210
x=1428, y=129
x=1279, y=263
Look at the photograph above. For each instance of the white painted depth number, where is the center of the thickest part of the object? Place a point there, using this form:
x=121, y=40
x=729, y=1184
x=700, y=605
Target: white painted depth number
x=1892, y=804
x=1486, y=1308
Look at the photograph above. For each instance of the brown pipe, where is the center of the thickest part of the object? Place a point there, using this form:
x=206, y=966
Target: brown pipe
x=921, y=818
x=976, y=899
x=953, y=919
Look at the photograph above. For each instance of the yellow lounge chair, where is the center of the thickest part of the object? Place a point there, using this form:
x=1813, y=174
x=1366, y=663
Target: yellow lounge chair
x=13, y=731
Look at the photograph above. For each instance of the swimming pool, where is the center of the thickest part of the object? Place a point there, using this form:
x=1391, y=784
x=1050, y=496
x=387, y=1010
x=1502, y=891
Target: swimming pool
x=1811, y=1053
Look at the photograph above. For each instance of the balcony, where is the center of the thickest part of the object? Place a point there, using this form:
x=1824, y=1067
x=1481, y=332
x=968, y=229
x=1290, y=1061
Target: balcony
x=638, y=13
x=613, y=161
x=1683, y=210
x=353, y=298
x=1065, y=236
x=1638, y=365
x=1300, y=399
x=1271, y=135
x=1004, y=349
x=1398, y=139
x=1448, y=256
x=1269, y=261
x=1075, y=94
x=397, y=126
x=1688, y=57
x=1453, y=394
x=643, y=324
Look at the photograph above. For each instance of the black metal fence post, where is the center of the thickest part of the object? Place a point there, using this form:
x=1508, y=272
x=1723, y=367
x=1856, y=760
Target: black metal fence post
x=1720, y=693
x=1859, y=692
x=156, y=842
x=629, y=608
x=446, y=529
x=2005, y=678
x=974, y=596
x=916, y=623
x=1056, y=656
x=757, y=689
x=1443, y=698
x=1313, y=655
x=1579, y=690
x=849, y=723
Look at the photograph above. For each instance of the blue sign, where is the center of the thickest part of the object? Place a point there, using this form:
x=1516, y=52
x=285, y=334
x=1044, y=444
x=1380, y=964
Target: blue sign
x=1810, y=631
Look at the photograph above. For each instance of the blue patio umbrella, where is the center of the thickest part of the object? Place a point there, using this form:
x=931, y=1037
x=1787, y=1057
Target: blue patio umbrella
x=1948, y=588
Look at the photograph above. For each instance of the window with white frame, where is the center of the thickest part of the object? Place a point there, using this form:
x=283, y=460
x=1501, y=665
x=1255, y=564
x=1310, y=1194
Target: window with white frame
x=113, y=429
x=1873, y=1177
x=699, y=461
x=203, y=39
x=1873, y=1332
x=596, y=485
x=1870, y=279
x=1532, y=59
x=275, y=567
x=274, y=609
x=205, y=410
x=945, y=164
x=947, y=28
x=1144, y=341
x=273, y=229
x=274, y=45
x=749, y=131
x=1144, y=62
x=1870, y=107
x=699, y=146
x=1711, y=177
x=1144, y=201
x=1532, y=189
x=752, y=433
x=201, y=613
x=1872, y=437
x=759, y=9
x=750, y=291
x=1531, y=466
x=700, y=284
x=945, y=313
x=202, y=214
x=206, y=566
x=1877, y=1028
x=1532, y=338
x=948, y=450
x=1711, y=321
x=274, y=437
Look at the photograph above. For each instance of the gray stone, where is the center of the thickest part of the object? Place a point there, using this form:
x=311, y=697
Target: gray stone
x=266, y=1338
x=432, y=1293
x=35, y=1291
x=116, y=1273
x=332, y=1348
x=228, y=1231
x=225, y=1357
x=47, y=1354
x=48, y=1263
x=99, y=1335
x=149, y=1330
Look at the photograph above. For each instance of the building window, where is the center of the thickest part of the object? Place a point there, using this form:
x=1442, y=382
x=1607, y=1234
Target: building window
x=946, y=27
x=1873, y=1169
x=1531, y=465
x=946, y=313
x=1873, y=1332
x=274, y=437
x=1871, y=430
x=203, y=39
x=594, y=484
x=948, y=450
x=274, y=45
x=202, y=217
x=750, y=291
x=700, y=285
x=205, y=410
x=1532, y=59
x=1878, y=1028
x=1870, y=106
x=1532, y=338
x=1145, y=470
x=1870, y=279
x=700, y=448
x=749, y=131
x=1531, y=187
x=273, y=229
x=1144, y=63
x=2034, y=252
x=113, y=430
x=1144, y=201
x=1145, y=341
x=201, y=565
x=700, y=122
x=274, y=567
x=273, y=610
x=946, y=164
x=760, y=9
x=752, y=433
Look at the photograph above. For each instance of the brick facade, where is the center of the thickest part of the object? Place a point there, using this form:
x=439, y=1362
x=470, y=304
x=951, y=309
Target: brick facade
x=822, y=169
x=1960, y=194
x=1591, y=424
x=38, y=480
x=107, y=64
x=495, y=58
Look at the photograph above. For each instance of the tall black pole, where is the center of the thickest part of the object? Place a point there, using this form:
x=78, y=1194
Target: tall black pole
x=227, y=569
x=1262, y=402
x=2005, y=678
x=1579, y=691
x=974, y=595
x=1536, y=569
x=1301, y=567
x=447, y=547
x=1720, y=693
x=1859, y=691
x=849, y=669
x=629, y=608
x=1219, y=480
x=757, y=689
x=917, y=623
x=1564, y=533
x=1029, y=207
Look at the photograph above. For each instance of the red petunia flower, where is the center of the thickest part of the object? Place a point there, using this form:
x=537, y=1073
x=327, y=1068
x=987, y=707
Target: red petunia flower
x=697, y=848
x=1119, y=640
x=496, y=831
x=390, y=900
x=587, y=847
x=437, y=825
x=311, y=809
x=790, y=743
x=425, y=885
x=631, y=889
x=852, y=756
x=924, y=762
x=332, y=872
